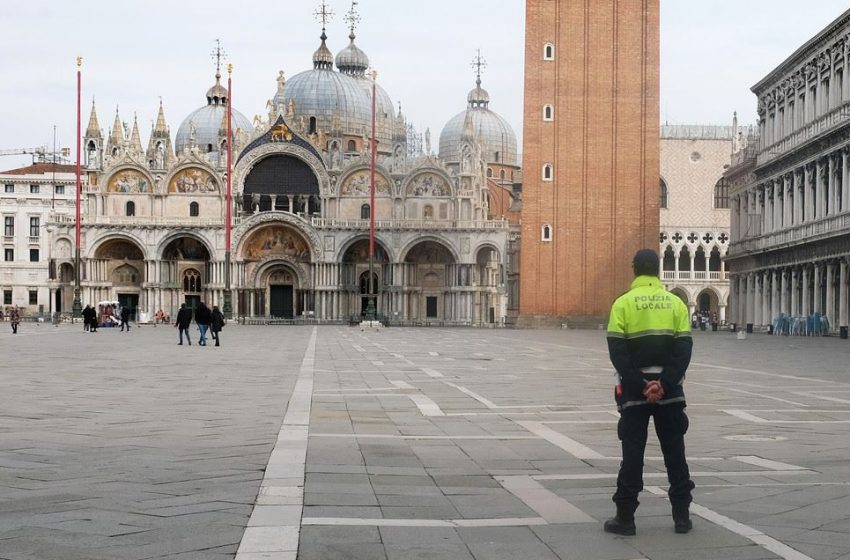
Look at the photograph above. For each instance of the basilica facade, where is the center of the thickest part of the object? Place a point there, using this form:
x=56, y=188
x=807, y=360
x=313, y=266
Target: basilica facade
x=153, y=225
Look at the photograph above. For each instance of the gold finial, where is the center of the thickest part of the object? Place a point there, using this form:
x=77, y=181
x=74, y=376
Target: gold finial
x=374, y=74
x=229, y=68
x=79, y=61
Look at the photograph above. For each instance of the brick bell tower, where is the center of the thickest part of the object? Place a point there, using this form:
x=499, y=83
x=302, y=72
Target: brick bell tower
x=591, y=151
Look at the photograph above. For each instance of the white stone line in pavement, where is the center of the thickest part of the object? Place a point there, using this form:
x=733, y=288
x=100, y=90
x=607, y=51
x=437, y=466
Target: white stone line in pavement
x=694, y=474
x=275, y=521
x=382, y=522
x=748, y=393
x=431, y=372
x=426, y=406
x=766, y=542
x=571, y=446
x=550, y=506
x=822, y=397
x=744, y=415
x=358, y=347
x=407, y=436
x=759, y=372
x=767, y=463
x=486, y=402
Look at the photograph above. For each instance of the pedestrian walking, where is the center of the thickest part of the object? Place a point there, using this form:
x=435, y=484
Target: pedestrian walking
x=203, y=316
x=216, y=324
x=125, y=318
x=182, y=322
x=87, y=314
x=15, y=319
x=649, y=342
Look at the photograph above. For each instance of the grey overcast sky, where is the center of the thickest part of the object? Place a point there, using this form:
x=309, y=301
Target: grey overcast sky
x=135, y=52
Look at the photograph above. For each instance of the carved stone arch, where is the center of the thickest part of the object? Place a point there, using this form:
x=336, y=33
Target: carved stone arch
x=265, y=266
x=63, y=247
x=358, y=170
x=249, y=159
x=436, y=238
x=124, y=168
x=244, y=231
x=94, y=247
x=683, y=294
x=433, y=170
x=174, y=235
x=183, y=166
x=348, y=243
x=489, y=245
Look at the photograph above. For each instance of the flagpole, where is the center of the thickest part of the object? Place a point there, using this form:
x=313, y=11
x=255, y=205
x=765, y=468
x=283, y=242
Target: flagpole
x=370, y=306
x=228, y=296
x=77, y=309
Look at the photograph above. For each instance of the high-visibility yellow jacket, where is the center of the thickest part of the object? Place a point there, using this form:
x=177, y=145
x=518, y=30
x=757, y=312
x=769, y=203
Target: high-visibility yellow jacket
x=649, y=337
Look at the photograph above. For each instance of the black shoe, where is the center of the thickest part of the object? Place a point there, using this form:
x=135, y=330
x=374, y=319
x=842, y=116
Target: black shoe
x=179, y=344
x=683, y=525
x=619, y=526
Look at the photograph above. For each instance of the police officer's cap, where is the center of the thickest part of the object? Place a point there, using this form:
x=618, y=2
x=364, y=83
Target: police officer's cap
x=646, y=262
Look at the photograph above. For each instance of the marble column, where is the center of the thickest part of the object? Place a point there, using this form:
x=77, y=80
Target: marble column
x=749, y=294
x=804, y=308
x=845, y=177
x=795, y=310
x=788, y=205
x=817, y=307
x=843, y=311
x=757, y=299
x=783, y=296
x=798, y=196
x=819, y=188
x=830, y=199
x=775, y=307
x=777, y=204
x=830, y=291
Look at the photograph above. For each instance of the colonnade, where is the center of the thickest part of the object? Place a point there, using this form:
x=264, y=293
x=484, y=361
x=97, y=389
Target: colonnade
x=798, y=290
x=810, y=192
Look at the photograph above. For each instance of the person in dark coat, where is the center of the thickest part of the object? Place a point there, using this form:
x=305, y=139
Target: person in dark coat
x=14, y=318
x=216, y=324
x=125, y=318
x=182, y=322
x=86, y=317
x=203, y=316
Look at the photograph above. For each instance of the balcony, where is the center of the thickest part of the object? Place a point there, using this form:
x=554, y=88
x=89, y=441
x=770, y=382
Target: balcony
x=34, y=239
x=697, y=276
x=68, y=219
x=824, y=124
x=810, y=231
x=336, y=223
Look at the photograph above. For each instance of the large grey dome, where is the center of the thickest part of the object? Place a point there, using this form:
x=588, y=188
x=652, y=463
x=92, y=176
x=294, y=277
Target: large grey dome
x=207, y=122
x=497, y=138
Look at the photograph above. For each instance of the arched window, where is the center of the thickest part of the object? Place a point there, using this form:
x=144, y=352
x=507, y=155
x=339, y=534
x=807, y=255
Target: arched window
x=663, y=188
x=194, y=209
x=497, y=156
x=721, y=193
x=502, y=174
x=548, y=113
x=428, y=212
x=489, y=172
x=312, y=125
x=131, y=208
x=365, y=212
x=546, y=232
x=191, y=281
x=547, y=172
x=548, y=51
x=352, y=146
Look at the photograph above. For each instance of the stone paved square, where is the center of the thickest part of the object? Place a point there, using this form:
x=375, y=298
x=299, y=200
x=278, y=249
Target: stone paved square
x=331, y=442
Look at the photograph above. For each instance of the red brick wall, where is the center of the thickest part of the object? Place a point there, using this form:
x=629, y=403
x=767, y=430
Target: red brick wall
x=603, y=143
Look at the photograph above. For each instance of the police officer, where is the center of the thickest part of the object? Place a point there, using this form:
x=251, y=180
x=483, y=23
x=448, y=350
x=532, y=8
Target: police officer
x=649, y=341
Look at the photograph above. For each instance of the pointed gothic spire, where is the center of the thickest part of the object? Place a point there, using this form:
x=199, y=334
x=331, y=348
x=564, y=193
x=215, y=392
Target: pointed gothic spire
x=135, y=138
x=160, y=126
x=116, y=137
x=93, y=129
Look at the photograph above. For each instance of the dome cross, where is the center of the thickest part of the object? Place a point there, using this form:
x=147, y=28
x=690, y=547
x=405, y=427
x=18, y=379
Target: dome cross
x=352, y=18
x=479, y=64
x=324, y=14
x=218, y=54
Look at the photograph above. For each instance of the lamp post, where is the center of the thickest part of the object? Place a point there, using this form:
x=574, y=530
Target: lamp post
x=77, y=310
x=370, y=305
x=228, y=296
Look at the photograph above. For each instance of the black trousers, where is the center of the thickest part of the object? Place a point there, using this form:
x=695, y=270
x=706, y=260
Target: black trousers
x=671, y=424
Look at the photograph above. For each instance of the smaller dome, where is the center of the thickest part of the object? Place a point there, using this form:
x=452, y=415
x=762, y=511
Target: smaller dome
x=352, y=60
x=478, y=97
x=323, y=58
x=217, y=95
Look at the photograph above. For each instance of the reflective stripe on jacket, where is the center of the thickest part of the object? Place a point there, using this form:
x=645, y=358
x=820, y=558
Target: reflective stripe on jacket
x=649, y=327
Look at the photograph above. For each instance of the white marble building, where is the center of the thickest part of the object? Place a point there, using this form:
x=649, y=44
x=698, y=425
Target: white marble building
x=29, y=277
x=791, y=190
x=695, y=214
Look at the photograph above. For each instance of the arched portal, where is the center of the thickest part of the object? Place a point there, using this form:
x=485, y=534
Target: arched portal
x=354, y=277
x=488, y=278
x=119, y=264
x=185, y=273
x=433, y=272
x=707, y=302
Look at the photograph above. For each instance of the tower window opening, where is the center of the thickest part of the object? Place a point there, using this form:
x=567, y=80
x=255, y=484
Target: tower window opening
x=549, y=51
x=489, y=171
x=365, y=212
x=194, y=209
x=312, y=125
x=352, y=146
x=502, y=174
x=548, y=113
x=546, y=233
x=547, y=172
x=131, y=208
